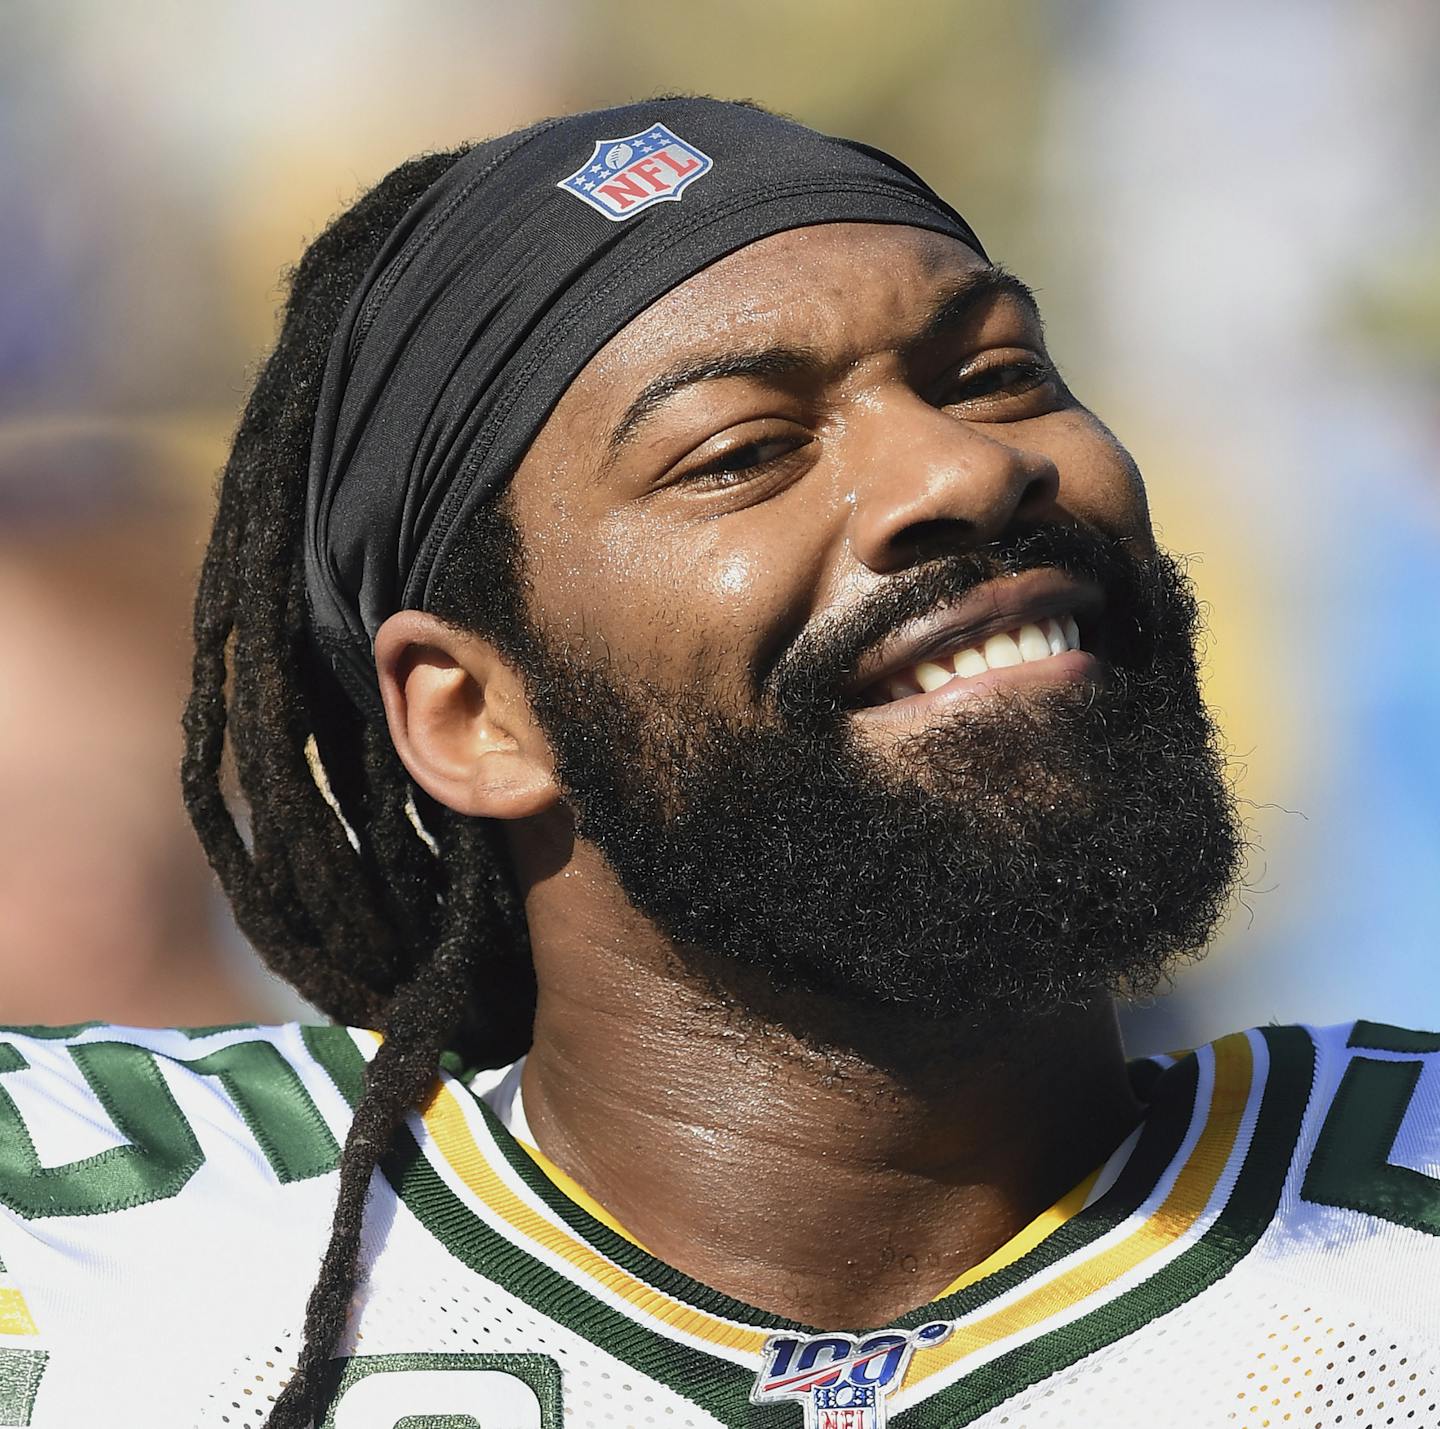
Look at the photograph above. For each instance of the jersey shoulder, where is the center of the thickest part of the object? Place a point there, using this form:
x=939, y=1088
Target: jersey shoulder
x=118, y=1141
x=163, y=1195
x=98, y=1119
x=1358, y=1218
x=1373, y=1136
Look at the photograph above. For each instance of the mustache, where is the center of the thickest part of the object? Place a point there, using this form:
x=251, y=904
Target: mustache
x=809, y=676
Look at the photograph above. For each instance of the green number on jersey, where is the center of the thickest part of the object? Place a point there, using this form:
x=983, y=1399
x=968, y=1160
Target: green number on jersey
x=162, y=1156
x=163, y=1153
x=1351, y=1166
x=20, y=1372
x=278, y=1110
x=439, y=1391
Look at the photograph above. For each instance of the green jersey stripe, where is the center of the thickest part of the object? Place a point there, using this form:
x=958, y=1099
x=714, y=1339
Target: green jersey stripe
x=716, y=1385
x=1248, y=1210
x=1166, y=1124
x=722, y=1388
x=616, y=1248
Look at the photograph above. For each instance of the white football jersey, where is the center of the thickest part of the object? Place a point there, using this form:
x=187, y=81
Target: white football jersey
x=1264, y=1250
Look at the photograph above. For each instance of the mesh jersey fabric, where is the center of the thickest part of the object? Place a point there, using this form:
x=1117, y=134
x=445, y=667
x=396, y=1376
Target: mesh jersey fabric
x=1268, y=1244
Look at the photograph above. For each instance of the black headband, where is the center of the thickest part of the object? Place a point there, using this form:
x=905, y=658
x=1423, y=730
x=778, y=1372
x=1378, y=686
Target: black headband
x=501, y=283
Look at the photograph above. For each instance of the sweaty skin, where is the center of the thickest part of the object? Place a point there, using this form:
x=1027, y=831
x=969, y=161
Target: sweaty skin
x=840, y=1184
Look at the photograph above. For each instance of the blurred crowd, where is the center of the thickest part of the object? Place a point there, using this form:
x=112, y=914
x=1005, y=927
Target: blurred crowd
x=1231, y=213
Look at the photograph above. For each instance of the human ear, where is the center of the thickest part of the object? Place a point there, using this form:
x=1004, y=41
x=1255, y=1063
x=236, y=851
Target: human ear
x=460, y=720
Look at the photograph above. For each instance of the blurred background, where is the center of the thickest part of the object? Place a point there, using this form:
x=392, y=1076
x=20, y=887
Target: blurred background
x=1231, y=212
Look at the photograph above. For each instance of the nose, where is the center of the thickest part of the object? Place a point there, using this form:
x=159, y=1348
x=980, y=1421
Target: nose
x=933, y=484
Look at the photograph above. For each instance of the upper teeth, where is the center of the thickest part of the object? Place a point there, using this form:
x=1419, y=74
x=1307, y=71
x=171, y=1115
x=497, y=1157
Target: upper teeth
x=1010, y=647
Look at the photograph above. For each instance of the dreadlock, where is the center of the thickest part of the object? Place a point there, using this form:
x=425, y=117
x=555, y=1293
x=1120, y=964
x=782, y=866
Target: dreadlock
x=377, y=905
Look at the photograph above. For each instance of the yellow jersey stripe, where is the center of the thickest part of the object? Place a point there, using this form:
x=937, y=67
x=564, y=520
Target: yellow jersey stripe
x=445, y=1121
x=1025, y=1240
x=451, y=1133
x=1181, y=1208
x=1021, y=1243
x=568, y=1186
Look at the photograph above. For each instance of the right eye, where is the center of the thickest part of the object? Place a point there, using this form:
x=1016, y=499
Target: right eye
x=1003, y=390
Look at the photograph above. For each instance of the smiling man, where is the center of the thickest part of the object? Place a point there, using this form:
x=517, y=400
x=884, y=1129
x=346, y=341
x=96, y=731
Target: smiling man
x=698, y=676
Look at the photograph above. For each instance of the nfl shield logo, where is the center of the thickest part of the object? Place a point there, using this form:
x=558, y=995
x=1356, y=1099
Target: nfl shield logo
x=624, y=177
x=851, y=1406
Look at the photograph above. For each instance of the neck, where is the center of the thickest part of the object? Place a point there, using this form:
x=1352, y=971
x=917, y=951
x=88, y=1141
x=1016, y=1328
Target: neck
x=831, y=1163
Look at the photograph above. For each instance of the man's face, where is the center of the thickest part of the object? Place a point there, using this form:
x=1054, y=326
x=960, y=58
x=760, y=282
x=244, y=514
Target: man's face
x=699, y=537
x=791, y=540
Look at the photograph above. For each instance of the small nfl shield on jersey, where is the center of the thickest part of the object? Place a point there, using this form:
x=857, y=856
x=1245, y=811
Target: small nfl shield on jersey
x=839, y=1380
x=624, y=177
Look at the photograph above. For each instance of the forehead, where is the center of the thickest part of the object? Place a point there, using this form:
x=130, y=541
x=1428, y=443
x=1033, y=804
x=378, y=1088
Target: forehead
x=818, y=287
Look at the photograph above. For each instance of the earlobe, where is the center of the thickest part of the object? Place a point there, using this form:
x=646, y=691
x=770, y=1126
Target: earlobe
x=460, y=720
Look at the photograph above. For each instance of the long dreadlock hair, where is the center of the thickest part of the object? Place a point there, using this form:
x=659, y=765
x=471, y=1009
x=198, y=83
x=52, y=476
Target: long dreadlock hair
x=380, y=907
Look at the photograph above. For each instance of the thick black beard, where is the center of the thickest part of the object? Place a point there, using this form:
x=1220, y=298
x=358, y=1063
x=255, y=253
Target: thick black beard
x=1024, y=856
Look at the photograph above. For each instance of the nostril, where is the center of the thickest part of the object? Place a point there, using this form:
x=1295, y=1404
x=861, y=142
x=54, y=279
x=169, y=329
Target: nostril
x=941, y=536
x=1040, y=491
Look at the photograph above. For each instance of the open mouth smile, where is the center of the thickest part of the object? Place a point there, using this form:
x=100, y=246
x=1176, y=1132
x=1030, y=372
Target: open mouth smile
x=1013, y=632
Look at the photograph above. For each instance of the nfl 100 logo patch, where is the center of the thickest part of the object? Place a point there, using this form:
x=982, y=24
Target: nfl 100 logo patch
x=841, y=1381
x=626, y=176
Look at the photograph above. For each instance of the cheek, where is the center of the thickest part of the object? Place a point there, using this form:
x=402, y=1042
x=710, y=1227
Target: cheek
x=733, y=577
x=670, y=595
x=707, y=600
x=1099, y=481
x=702, y=604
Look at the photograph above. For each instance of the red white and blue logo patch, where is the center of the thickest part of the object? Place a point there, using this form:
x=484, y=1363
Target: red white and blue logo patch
x=626, y=176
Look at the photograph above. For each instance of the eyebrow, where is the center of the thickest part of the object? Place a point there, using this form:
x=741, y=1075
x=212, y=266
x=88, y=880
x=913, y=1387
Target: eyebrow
x=955, y=308
x=766, y=362
x=962, y=298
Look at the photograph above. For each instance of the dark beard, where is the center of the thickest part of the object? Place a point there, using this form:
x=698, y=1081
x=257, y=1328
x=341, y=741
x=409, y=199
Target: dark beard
x=1022, y=856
